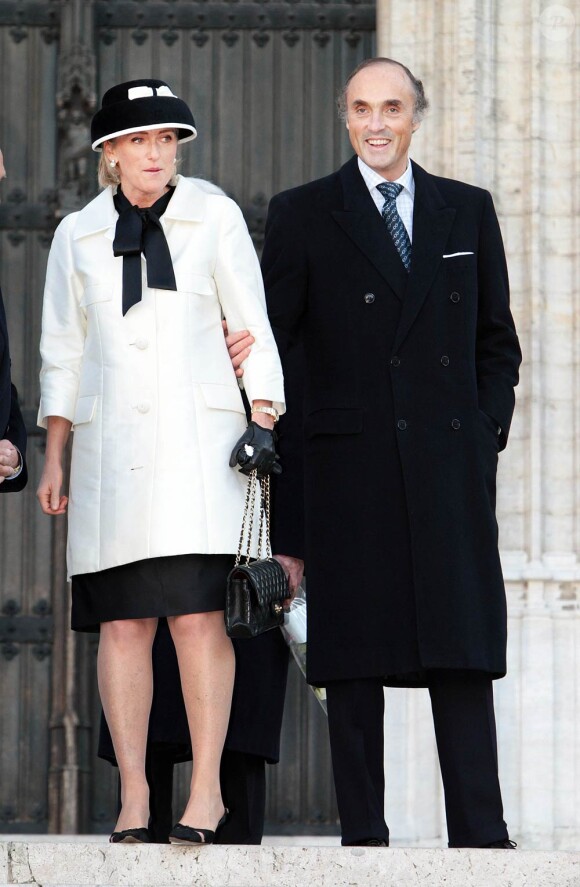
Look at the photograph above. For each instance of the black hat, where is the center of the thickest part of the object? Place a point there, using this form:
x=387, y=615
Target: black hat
x=137, y=106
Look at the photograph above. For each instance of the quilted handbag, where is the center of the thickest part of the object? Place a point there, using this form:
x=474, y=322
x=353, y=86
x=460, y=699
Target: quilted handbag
x=256, y=589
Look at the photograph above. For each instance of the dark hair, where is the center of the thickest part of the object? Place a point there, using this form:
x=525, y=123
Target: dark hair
x=421, y=101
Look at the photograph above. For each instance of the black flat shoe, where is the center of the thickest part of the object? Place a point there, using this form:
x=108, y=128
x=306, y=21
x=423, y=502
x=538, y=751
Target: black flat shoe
x=506, y=844
x=186, y=834
x=131, y=836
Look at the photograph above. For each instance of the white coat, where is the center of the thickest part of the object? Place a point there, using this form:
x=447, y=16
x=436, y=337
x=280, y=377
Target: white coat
x=152, y=396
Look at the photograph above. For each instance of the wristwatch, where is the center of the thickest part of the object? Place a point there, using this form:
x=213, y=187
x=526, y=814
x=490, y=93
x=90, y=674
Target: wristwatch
x=270, y=411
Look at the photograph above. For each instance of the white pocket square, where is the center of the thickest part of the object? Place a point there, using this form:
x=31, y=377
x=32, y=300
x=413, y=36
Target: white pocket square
x=452, y=255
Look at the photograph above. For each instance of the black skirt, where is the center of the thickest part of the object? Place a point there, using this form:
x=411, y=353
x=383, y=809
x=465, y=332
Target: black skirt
x=155, y=587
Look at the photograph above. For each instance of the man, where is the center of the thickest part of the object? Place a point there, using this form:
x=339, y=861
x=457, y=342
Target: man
x=387, y=291
x=13, y=474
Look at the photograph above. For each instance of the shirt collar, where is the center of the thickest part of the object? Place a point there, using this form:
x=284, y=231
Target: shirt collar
x=372, y=178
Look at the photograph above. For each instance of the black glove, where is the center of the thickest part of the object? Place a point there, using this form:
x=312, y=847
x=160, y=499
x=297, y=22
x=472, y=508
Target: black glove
x=255, y=450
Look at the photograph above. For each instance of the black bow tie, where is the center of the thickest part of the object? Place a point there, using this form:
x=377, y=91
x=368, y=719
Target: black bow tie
x=140, y=231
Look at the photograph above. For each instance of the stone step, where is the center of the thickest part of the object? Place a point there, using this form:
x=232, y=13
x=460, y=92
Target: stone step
x=99, y=864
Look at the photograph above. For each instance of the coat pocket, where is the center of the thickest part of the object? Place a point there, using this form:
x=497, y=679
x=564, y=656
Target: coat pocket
x=490, y=425
x=459, y=260
x=85, y=410
x=333, y=421
x=460, y=265
x=222, y=397
x=195, y=283
x=97, y=293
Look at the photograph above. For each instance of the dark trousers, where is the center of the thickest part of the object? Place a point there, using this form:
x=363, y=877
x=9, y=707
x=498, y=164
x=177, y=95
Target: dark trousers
x=243, y=784
x=463, y=715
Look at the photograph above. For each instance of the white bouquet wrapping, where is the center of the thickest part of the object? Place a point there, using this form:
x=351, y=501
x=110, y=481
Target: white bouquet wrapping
x=294, y=631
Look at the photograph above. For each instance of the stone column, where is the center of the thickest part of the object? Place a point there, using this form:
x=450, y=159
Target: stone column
x=503, y=79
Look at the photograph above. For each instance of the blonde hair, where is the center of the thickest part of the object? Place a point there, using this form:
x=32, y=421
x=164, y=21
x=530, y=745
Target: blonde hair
x=107, y=174
x=110, y=175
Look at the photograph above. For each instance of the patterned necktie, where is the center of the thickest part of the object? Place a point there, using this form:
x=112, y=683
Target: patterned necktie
x=393, y=221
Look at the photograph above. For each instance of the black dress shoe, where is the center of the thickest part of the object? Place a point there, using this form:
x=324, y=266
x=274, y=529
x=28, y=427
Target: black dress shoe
x=506, y=844
x=131, y=836
x=186, y=834
x=369, y=842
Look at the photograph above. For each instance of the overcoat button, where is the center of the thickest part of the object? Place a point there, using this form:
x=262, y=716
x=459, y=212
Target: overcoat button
x=455, y=297
x=445, y=360
x=401, y=424
x=455, y=424
x=395, y=361
x=143, y=407
x=142, y=344
x=369, y=298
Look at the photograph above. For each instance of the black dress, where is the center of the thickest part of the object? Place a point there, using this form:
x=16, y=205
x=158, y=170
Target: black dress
x=159, y=586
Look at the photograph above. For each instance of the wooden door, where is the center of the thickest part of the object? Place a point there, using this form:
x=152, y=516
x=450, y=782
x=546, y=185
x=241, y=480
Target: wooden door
x=261, y=78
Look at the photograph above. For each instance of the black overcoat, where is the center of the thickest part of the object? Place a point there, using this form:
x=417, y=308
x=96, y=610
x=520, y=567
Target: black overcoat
x=407, y=380
x=11, y=422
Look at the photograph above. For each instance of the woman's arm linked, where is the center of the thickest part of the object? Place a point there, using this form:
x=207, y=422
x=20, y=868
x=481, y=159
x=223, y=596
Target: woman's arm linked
x=50, y=486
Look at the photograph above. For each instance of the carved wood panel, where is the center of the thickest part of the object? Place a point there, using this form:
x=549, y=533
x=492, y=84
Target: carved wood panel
x=261, y=78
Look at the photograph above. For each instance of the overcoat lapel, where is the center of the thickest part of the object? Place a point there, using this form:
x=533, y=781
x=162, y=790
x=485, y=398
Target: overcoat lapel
x=432, y=221
x=363, y=224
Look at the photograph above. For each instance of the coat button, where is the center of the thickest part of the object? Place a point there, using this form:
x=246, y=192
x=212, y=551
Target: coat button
x=455, y=424
x=369, y=298
x=401, y=424
x=455, y=297
x=445, y=361
x=144, y=406
x=395, y=361
x=142, y=344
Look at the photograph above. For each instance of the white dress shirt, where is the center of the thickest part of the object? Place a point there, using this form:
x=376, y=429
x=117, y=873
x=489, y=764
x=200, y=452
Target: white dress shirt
x=405, y=199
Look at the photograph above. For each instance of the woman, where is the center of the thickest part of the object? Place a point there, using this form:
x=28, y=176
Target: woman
x=253, y=737
x=252, y=740
x=134, y=359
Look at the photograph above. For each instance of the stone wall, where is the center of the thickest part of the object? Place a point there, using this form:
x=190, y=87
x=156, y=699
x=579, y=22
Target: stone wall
x=503, y=77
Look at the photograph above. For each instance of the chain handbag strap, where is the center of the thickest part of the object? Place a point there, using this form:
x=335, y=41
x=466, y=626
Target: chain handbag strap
x=264, y=534
x=247, y=530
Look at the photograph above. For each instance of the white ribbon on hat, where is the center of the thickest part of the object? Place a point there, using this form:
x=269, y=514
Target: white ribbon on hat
x=164, y=90
x=141, y=92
